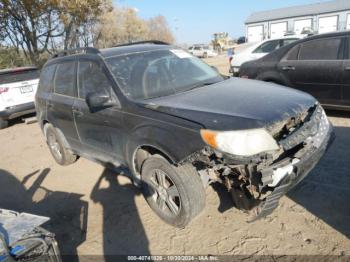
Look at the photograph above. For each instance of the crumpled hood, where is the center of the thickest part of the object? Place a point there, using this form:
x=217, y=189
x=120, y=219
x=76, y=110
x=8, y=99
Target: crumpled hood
x=235, y=104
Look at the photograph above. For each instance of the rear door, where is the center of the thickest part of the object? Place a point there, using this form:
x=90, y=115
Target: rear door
x=59, y=107
x=18, y=87
x=315, y=67
x=101, y=132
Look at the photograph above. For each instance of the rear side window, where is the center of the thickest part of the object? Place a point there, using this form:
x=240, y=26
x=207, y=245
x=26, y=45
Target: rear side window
x=65, y=79
x=91, y=79
x=46, y=78
x=322, y=49
x=19, y=76
x=268, y=47
x=292, y=54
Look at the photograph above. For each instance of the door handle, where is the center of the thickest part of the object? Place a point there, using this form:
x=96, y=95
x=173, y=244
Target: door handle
x=347, y=68
x=287, y=68
x=77, y=112
x=49, y=104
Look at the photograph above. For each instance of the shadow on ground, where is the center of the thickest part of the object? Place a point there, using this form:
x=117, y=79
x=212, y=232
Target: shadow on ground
x=67, y=212
x=122, y=228
x=123, y=232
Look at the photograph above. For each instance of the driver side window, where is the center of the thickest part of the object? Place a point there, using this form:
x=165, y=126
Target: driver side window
x=91, y=79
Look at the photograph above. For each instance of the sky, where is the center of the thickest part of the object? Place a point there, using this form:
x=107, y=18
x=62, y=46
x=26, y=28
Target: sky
x=194, y=21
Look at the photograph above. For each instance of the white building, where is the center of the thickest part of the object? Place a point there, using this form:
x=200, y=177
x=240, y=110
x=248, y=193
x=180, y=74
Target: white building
x=320, y=18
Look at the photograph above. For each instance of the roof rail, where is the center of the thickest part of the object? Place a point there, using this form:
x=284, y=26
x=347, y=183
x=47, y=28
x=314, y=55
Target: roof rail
x=155, y=42
x=81, y=50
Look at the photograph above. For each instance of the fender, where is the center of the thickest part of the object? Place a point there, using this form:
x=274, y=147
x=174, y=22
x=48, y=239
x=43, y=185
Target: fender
x=164, y=139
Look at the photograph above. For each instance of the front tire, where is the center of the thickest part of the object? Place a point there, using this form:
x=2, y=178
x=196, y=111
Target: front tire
x=175, y=194
x=60, y=153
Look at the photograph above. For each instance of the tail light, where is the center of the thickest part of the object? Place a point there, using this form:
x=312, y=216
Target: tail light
x=3, y=90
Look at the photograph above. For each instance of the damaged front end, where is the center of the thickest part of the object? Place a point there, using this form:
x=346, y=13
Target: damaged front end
x=258, y=182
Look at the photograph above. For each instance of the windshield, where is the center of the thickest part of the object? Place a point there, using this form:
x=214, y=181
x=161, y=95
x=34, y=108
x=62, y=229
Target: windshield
x=160, y=73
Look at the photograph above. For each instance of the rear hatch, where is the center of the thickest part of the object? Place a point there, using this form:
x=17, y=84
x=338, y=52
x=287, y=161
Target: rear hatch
x=18, y=86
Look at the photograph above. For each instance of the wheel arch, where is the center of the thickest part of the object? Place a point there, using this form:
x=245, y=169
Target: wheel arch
x=171, y=142
x=142, y=151
x=46, y=123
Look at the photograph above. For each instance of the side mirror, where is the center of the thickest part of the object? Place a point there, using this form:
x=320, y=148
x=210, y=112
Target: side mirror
x=100, y=100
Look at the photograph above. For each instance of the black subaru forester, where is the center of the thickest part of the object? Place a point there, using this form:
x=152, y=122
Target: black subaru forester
x=178, y=125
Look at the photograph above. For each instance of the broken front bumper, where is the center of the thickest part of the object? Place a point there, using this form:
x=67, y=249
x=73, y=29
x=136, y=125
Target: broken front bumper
x=306, y=162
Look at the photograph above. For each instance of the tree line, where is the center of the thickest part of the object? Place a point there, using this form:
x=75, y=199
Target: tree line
x=32, y=30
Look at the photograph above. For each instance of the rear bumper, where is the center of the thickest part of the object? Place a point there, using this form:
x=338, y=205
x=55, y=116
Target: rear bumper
x=301, y=169
x=17, y=111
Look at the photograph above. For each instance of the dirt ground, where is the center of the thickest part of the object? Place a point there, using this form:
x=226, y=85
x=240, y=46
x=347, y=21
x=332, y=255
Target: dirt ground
x=95, y=211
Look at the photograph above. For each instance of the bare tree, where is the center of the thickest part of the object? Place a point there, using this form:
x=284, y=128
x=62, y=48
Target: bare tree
x=158, y=29
x=77, y=17
x=41, y=26
x=37, y=28
x=123, y=25
x=28, y=25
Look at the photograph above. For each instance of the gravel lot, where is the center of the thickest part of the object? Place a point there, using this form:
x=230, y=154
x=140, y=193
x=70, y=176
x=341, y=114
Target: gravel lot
x=95, y=211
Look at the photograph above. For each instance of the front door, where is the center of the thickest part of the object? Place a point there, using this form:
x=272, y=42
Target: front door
x=316, y=67
x=101, y=132
x=59, y=106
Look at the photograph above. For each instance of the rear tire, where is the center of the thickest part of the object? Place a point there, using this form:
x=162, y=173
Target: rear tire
x=175, y=194
x=3, y=123
x=60, y=153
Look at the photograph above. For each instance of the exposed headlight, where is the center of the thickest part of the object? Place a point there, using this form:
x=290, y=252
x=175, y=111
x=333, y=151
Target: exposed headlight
x=242, y=143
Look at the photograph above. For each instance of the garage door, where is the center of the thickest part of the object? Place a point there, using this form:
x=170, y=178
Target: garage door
x=327, y=24
x=348, y=22
x=278, y=30
x=255, y=33
x=299, y=25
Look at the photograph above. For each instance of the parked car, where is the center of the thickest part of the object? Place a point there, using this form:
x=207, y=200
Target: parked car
x=202, y=51
x=178, y=125
x=241, y=40
x=17, y=91
x=318, y=65
x=257, y=51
